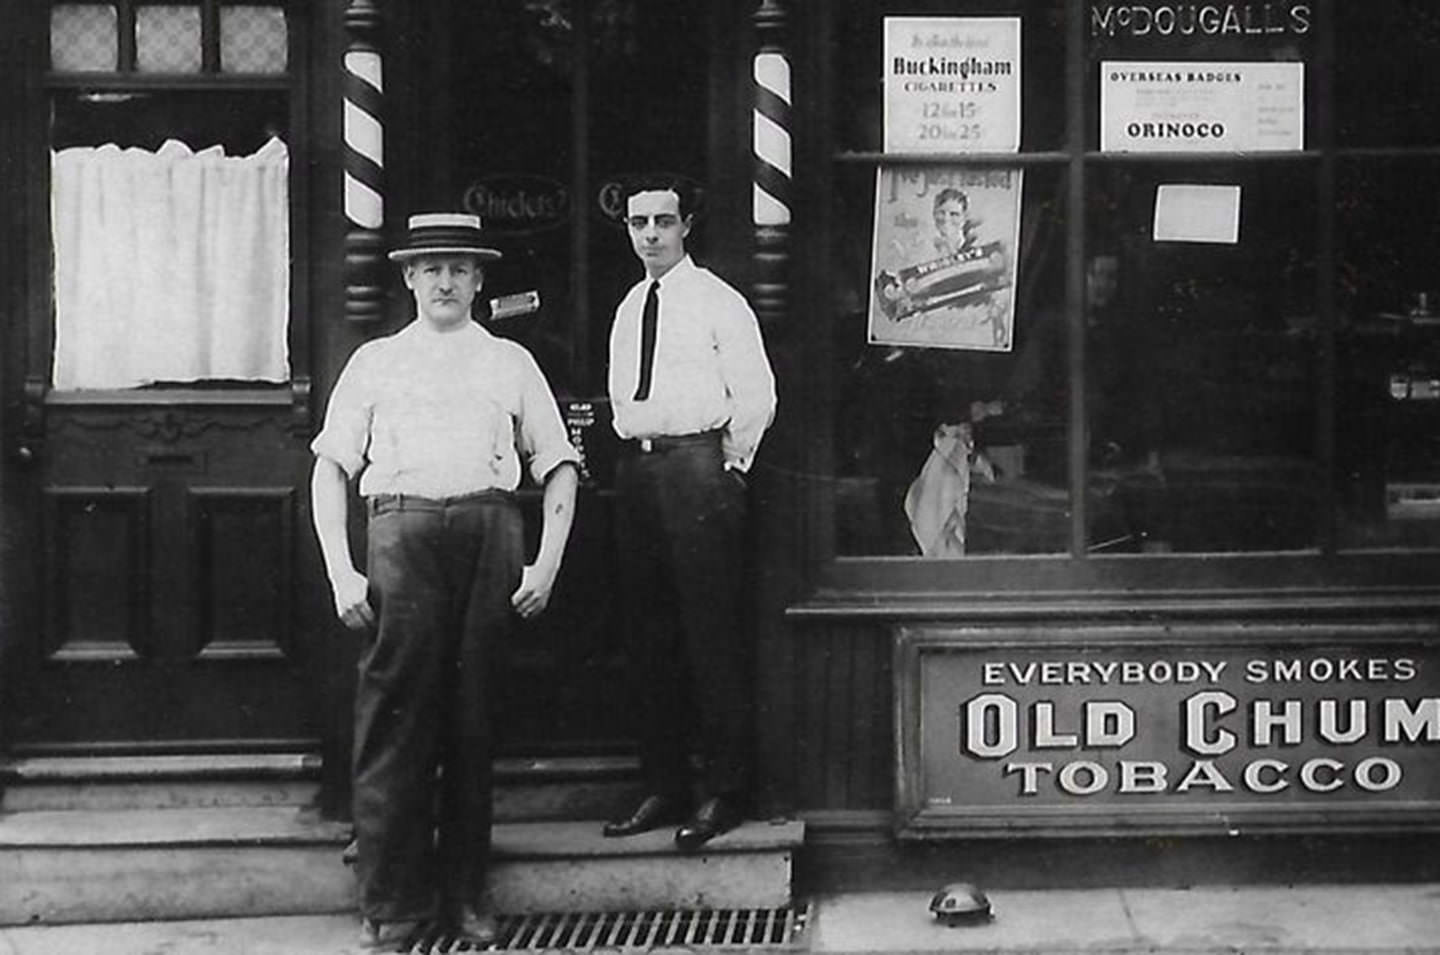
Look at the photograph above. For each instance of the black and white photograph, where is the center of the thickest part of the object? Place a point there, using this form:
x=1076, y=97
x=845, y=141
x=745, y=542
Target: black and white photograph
x=750, y=477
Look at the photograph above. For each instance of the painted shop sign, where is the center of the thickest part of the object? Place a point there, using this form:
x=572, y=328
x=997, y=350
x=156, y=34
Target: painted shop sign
x=1201, y=107
x=1112, y=730
x=952, y=84
x=518, y=204
x=1181, y=20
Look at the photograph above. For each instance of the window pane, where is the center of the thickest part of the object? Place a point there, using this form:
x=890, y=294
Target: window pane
x=1202, y=371
x=907, y=419
x=83, y=38
x=1388, y=420
x=859, y=45
x=1384, y=77
x=252, y=39
x=167, y=39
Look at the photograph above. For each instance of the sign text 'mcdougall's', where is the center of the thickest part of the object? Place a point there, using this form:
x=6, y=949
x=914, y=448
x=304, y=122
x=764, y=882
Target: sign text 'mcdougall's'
x=1200, y=19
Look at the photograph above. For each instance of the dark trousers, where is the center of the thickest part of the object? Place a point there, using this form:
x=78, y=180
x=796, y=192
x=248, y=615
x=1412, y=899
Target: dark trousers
x=679, y=526
x=441, y=574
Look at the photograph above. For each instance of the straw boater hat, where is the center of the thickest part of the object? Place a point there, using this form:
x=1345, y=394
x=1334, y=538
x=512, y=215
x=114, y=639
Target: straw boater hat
x=443, y=233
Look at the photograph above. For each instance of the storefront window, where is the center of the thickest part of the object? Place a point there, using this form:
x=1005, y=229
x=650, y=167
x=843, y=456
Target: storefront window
x=1214, y=348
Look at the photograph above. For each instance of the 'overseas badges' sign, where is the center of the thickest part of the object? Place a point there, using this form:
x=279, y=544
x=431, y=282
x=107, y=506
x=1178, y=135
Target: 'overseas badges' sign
x=1201, y=107
x=952, y=84
x=1111, y=731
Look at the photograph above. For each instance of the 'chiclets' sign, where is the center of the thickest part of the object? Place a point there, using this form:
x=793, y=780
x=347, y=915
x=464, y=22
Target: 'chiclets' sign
x=1112, y=734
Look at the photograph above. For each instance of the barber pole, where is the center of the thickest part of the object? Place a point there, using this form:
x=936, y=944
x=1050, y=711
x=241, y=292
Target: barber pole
x=772, y=168
x=364, y=164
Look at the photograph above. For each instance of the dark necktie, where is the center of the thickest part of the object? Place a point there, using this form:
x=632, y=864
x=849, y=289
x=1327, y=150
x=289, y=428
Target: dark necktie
x=649, y=320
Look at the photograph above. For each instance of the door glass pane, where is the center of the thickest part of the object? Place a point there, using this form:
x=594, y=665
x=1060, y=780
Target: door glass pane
x=520, y=61
x=252, y=39
x=1388, y=410
x=1201, y=371
x=170, y=218
x=83, y=38
x=167, y=39
x=649, y=113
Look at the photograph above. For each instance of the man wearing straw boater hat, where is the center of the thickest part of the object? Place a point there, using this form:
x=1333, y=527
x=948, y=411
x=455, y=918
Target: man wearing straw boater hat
x=436, y=421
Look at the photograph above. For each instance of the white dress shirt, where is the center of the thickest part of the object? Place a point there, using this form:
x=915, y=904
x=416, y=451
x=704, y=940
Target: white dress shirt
x=710, y=370
x=442, y=414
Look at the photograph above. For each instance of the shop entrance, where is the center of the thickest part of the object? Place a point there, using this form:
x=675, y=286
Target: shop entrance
x=544, y=111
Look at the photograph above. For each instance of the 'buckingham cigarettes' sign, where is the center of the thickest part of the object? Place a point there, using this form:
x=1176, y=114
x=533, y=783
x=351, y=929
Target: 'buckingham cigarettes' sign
x=952, y=84
x=1111, y=731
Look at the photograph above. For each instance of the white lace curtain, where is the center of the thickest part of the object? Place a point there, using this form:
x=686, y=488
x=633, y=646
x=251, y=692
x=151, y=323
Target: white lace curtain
x=170, y=266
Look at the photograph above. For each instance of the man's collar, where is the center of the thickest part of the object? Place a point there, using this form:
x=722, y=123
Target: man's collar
x=686, y=264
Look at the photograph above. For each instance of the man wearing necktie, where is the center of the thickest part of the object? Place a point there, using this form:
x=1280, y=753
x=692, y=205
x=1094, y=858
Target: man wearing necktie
x=692, y=393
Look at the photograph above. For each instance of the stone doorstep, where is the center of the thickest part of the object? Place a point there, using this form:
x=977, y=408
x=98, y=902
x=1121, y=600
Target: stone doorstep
x=114, y=783
x=208, y=863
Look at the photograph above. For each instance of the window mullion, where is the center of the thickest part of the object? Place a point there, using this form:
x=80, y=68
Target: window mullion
x=125, y=24
x=1078, y=423
x=210, y=36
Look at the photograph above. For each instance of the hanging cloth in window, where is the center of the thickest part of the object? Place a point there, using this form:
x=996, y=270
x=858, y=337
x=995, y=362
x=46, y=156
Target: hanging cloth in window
x=939, y=497
x=170, y=266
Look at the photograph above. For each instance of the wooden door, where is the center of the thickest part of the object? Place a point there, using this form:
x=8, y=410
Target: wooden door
x=159, y=588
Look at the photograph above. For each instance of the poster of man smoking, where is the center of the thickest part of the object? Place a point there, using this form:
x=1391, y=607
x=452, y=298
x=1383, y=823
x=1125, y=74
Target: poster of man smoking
x=943, y=259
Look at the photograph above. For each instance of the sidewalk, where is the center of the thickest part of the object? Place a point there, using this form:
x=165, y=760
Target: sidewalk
x=1322, y=920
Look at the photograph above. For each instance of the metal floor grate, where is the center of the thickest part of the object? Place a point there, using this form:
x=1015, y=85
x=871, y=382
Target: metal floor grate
x=683, y=930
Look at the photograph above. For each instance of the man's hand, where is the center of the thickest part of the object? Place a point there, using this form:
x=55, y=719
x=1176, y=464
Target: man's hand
x=352, y=605
x=533, y=594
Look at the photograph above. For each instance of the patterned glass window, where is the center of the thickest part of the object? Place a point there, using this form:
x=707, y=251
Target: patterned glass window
x=252, y=39
x=167, y=39
x=83, y=38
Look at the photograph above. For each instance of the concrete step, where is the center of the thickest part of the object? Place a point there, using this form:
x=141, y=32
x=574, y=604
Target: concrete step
x=109, y=783
x=136, y=864
x=571, y=867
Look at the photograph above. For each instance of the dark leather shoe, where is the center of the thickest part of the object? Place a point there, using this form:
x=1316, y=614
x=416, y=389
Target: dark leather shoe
x=653, y=812
x=714, y=817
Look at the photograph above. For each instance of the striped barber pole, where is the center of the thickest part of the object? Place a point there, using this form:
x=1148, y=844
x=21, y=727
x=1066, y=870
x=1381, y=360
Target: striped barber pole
x=364, y=164
x=772, y=140
x=364, y=140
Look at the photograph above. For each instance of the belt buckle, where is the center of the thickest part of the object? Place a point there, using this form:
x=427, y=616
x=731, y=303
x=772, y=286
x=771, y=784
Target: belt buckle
x=647, y=445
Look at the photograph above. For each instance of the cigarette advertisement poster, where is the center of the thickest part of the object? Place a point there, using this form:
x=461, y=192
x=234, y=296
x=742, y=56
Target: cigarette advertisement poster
x=943, y=258
x=1204, y=732
x=952, y=84
x=1202, y=107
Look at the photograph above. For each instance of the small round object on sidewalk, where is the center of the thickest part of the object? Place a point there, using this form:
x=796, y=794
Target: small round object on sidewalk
x=961, y=903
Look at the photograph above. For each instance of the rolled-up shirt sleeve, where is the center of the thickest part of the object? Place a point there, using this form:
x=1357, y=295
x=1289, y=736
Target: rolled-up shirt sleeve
x=345, y=436
x=541, y=436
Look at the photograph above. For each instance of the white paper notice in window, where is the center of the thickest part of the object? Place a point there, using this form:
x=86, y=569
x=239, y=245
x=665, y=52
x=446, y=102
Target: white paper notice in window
x=1201, y=107
x=1196, y=213
x=952, y=84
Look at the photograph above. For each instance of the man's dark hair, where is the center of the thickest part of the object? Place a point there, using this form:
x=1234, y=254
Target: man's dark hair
x=661, y=182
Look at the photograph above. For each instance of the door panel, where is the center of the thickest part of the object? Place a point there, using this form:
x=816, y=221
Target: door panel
x=173, y=593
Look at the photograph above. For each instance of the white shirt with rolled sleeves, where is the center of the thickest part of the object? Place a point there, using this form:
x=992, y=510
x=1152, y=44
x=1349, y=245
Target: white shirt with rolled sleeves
x=710, y=372
x=442, y=414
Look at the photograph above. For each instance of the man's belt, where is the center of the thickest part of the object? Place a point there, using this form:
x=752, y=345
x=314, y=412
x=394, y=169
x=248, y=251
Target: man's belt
x=671, y=442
